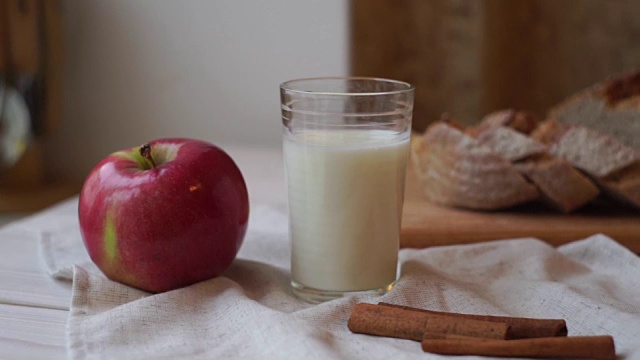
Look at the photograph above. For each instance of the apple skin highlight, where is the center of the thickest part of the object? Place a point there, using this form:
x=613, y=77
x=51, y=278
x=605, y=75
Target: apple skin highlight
x=169, y=226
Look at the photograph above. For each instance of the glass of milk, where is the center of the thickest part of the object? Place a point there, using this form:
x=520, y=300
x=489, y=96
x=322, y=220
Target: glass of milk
x=346, y=147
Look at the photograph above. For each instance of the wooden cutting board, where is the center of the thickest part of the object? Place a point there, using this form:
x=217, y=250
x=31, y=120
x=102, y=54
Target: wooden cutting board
x=425, y=224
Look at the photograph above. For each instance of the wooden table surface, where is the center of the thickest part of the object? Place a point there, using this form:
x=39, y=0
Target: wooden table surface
x=426, y=224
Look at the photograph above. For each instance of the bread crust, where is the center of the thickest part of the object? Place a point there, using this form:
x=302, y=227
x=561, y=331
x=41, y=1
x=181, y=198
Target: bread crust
x=611, y=107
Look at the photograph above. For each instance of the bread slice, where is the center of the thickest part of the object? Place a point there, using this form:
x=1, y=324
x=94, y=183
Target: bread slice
x=455, y=170
x=611, y=107
x=561, y=185
x=597, y=154
x=509, y=143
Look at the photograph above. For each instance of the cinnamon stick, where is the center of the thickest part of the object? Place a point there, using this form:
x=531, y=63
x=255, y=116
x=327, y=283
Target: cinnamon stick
x=519, y=328
x=440, y=336
x=387, y=321
x=399, y=323
x=584, y=347
x=438, y=327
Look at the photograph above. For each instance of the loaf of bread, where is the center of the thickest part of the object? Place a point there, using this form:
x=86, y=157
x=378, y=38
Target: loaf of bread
x=488, y=172
x=560, y=184
x=614, y=166
x=588, y=146
x=455, y=170
x=611, y=108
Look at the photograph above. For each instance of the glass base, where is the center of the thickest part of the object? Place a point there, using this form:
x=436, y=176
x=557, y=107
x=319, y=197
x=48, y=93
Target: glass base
x=316, y=296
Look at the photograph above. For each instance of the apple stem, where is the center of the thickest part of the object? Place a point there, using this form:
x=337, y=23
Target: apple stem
x=145, y=151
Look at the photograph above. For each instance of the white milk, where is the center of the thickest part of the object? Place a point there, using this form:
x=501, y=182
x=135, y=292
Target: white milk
x=345, y=201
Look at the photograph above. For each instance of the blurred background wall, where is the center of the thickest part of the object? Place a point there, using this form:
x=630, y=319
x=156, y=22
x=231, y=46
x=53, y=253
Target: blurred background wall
x=470, y=57
x=144, y=69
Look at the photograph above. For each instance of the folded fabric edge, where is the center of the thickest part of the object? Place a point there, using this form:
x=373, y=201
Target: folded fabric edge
x=45, y=248
x=483, y=244
x=615, y=250
x=74, y=344
x=599, y=237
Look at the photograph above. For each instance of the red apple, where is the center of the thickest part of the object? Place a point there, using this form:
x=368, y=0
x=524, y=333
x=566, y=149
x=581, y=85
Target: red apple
x=164, y=215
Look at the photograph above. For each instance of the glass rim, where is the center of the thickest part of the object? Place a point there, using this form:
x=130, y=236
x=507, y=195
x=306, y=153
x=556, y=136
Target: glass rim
x=286, y=86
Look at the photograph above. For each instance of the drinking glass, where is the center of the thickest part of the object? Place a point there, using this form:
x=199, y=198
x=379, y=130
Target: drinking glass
x=346, y=146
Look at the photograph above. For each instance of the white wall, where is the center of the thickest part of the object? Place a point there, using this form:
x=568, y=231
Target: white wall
x=145, y=69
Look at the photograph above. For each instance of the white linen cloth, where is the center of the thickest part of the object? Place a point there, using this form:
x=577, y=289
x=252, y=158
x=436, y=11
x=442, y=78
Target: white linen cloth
x=250, y=312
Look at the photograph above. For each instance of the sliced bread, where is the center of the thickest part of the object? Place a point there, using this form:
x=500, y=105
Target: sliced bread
x=597, y=154
x=561, y=185
x=455, y=170
x=611, y=107
x=509, y=143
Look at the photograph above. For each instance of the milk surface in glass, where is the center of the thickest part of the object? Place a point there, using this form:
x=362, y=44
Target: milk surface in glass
x=345, y=202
